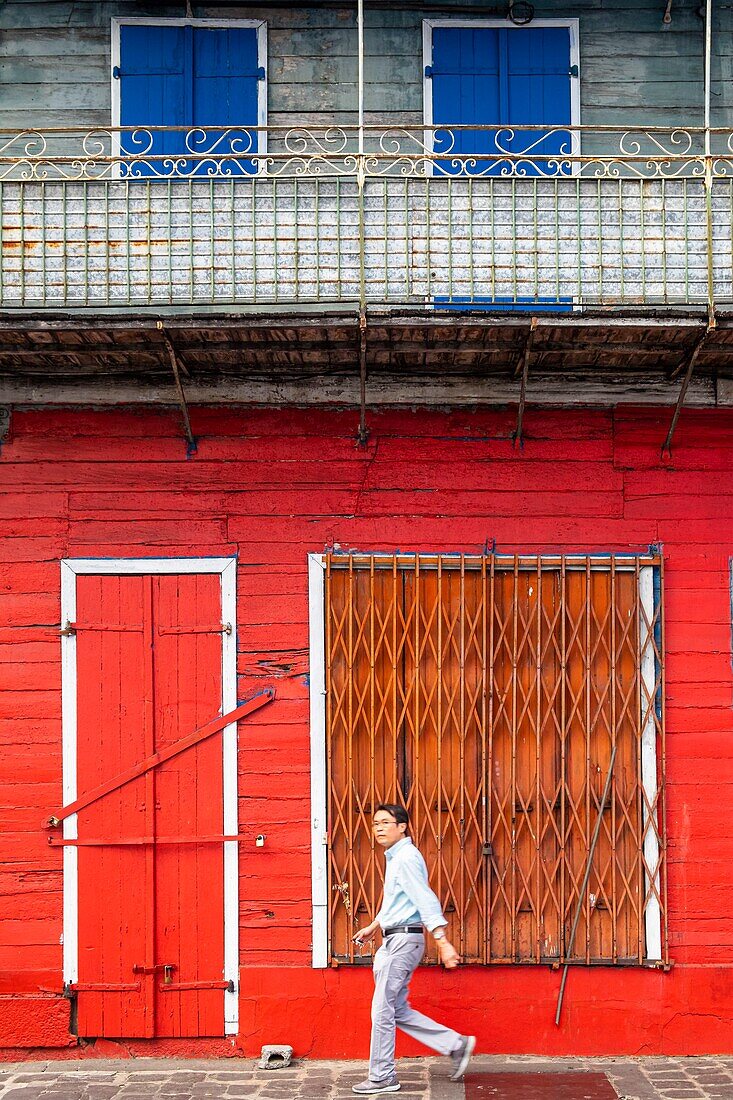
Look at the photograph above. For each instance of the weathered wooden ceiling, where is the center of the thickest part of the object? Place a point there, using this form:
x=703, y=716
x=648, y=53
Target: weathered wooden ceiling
x=42, y=355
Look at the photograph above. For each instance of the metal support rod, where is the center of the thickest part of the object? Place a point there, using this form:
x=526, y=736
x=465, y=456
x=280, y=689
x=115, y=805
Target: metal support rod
x=191, y=447
x=363, y=433
x=586, y=876
x=517, y=433
x=667, y=445
x=5, y=420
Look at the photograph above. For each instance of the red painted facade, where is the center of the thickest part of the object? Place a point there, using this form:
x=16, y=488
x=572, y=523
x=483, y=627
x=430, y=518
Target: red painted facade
x=272, y=486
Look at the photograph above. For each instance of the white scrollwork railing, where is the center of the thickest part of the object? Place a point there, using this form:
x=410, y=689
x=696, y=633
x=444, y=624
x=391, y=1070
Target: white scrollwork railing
x=402, y=151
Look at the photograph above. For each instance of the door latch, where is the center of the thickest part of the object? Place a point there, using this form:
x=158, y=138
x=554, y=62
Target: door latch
x=167, y=969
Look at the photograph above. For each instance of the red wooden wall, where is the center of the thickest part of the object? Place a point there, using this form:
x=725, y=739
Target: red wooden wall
x=272, y=486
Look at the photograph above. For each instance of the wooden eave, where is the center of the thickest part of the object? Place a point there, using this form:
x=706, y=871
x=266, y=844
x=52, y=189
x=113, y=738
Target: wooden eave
x=42, y=352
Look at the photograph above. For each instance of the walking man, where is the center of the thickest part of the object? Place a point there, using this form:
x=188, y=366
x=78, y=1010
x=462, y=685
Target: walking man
x=409, y=906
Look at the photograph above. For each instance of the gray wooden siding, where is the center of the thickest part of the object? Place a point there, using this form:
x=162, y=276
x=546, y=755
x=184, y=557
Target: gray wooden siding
x=55, y=61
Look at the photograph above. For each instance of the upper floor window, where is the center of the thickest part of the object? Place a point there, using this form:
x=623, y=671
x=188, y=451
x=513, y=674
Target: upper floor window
x=484, y=75
x=203, y=83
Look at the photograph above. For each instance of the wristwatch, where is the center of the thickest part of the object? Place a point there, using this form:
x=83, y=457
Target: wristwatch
x=438, y=936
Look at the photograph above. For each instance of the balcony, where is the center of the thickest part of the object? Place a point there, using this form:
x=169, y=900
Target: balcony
x=337, y=219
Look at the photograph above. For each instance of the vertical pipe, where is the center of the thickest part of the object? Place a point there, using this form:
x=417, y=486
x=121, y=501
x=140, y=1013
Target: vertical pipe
x=360, y=77
x=708, y=158
x=708, y=59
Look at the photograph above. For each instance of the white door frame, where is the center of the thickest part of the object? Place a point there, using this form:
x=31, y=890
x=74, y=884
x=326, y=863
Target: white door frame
x=226, y=569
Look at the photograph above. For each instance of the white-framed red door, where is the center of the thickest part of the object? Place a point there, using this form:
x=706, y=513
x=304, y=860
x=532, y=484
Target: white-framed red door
x=150, y=892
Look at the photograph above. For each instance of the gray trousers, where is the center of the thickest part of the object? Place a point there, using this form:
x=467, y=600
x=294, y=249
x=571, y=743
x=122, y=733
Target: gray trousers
x=394, y=964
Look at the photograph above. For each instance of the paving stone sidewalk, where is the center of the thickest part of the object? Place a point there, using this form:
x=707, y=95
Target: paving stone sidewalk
x=422, y=1078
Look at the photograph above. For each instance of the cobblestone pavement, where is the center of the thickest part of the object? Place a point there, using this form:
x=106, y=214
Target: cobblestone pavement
x=422, y=1078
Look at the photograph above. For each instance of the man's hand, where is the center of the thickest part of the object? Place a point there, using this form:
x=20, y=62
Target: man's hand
x=363, y=934
x=448, y=954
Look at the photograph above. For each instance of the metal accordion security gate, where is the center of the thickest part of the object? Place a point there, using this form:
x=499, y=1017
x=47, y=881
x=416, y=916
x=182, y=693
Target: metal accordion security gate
x=486, y=694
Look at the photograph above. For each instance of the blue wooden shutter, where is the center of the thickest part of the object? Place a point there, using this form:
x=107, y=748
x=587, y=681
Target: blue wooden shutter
x=225, y=85
x=191, y=77
x=491, y=76
x=466, y=82
x=155, y=81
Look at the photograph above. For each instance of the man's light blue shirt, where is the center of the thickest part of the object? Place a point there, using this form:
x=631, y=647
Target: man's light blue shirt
x=407, y=897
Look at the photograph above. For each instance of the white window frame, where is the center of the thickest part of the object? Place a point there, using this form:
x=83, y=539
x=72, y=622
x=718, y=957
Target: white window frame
x=226, y=569
x=319, y=786
x=573, y=26
x=260, y=25
x=318, y=746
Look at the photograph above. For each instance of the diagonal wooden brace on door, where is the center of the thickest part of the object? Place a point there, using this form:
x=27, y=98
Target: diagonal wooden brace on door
x=195, y=738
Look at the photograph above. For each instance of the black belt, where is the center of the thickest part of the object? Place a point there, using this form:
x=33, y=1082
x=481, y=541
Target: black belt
x=403, y=928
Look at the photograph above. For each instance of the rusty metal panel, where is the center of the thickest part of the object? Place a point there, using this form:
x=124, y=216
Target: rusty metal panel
x=487, y=694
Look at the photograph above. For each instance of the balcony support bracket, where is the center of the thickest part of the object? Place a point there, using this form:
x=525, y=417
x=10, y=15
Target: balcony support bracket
x=688, y=365
x=362, y=436
x=5, y=422
x=191, y=446
x=523, y=367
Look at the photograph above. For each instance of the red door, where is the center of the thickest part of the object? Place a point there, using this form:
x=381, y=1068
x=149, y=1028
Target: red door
x=151, y=904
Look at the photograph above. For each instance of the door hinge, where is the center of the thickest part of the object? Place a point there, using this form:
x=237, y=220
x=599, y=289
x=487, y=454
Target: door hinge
x=116, y=73
x=428, y=71
x=261, y=74
x=574, y=71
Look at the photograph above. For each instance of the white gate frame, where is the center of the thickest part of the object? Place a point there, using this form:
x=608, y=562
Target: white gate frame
x=319, y=794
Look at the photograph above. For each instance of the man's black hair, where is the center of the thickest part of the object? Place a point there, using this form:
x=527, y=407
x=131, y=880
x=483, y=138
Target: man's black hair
x=399, y=813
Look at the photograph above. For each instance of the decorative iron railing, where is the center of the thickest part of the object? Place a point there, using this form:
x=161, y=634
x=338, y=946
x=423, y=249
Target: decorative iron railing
x=425, y=217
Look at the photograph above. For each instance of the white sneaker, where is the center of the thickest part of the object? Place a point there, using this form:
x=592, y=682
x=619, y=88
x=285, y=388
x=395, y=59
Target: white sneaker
x=373, y=1088
x=461, y=1056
